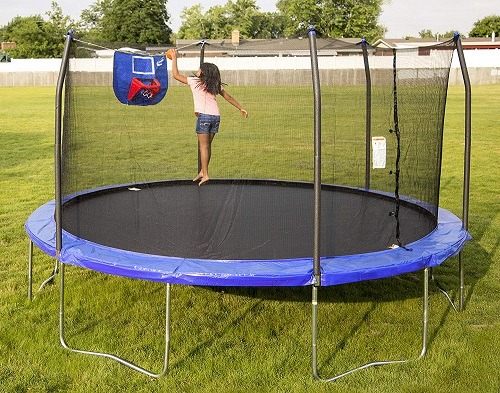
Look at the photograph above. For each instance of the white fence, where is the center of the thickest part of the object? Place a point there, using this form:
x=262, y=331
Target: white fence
x=483, y=66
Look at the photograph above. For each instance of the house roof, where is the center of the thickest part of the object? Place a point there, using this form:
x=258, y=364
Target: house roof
x=403, y=43
x=267, y=47
x=467, y=43
x=283, y=47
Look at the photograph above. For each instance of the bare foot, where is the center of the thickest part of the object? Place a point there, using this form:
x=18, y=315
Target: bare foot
x=203, y=180
x=198, y=177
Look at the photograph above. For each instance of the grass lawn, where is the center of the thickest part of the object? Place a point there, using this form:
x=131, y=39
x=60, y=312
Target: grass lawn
x=247, y=339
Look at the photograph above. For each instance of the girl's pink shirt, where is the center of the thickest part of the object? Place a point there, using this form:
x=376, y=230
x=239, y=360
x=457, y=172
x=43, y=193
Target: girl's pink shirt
x=204, y=102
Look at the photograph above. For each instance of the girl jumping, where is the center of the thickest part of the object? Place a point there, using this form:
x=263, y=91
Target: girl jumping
x=205, y=86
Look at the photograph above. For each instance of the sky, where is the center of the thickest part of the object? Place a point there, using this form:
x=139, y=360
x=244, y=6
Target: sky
x=401, y=17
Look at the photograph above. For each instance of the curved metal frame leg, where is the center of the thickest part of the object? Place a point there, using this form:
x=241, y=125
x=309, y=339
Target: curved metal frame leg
x=371, y=364
x=50, y=280
x=447, y=296
x=111, y=356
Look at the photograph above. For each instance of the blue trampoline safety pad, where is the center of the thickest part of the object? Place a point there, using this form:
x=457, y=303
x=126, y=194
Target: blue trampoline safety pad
x=443, y=242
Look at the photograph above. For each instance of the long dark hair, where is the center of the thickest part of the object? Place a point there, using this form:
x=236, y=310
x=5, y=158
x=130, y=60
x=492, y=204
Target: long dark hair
x=210, y=79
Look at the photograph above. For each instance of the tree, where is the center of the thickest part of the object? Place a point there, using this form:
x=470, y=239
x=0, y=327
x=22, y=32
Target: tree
x=426, y=34
x=269, y=25
x=194, y=24
x=333, y=18
x=438, y=36
x=449, y=34
x=91, y=18
x=429, y=34
x=57, y=28
x=36, y=37
x=220, y=21
x=27, y=33
x=484, y=27
x=132, y=21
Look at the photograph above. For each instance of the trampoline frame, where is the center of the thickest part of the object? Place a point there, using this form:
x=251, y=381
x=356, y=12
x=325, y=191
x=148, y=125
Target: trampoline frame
x=59, y=267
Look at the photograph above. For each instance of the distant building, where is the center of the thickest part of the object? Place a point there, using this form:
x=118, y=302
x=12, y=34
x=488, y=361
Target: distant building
x=467, y=43
x=4, y=56
x=275, y=47
x=299, y=47
x=8, y=45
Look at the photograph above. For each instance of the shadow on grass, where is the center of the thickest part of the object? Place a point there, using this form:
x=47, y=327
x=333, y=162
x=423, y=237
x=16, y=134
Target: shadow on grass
x=391, y=289
x=409, y=286
x=219, y=333
x=475, y=258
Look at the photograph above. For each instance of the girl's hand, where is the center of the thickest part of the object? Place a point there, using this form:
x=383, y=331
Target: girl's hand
x=171, y=53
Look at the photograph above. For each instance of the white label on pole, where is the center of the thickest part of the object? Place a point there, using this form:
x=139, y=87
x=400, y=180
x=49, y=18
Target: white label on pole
x=379, y=152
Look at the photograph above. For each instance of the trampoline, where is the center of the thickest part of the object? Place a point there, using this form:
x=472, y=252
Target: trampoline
x=121, y=231
x=118, y=211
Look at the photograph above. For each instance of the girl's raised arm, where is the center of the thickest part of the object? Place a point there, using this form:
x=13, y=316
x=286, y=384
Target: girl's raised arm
x=175, y=70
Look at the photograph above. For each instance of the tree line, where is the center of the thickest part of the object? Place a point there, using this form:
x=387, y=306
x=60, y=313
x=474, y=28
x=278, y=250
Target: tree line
x=146, y=22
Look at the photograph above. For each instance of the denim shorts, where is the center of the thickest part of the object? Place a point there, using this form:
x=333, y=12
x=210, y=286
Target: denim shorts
x=207, y=124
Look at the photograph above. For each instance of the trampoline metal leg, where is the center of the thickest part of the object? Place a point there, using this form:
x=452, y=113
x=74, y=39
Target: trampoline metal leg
x=371, y=364
x=30, y=270
x=462, y=282
x=111, y=356
x=425, y=326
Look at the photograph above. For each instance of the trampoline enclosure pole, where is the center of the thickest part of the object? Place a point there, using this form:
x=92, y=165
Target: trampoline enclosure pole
x=317, y=154
x=368, y=113
x=202, y=51
x=58, y=140
x=467, y=154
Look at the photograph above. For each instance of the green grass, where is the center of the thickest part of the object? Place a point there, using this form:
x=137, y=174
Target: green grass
x=247, y=339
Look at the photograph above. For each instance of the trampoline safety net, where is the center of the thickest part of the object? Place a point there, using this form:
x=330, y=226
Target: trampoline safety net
x=381, y=134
